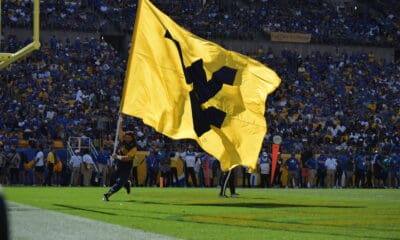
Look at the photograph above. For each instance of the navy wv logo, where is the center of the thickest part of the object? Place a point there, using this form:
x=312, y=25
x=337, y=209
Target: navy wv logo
x=204, y=90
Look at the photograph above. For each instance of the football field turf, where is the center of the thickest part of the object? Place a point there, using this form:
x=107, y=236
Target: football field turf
x=190, y=213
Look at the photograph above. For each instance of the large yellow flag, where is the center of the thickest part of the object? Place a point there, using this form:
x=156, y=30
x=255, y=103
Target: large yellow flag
x=187, y=87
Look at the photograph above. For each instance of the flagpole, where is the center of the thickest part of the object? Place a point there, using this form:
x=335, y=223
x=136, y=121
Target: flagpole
x=119, y=122
x=226, y=182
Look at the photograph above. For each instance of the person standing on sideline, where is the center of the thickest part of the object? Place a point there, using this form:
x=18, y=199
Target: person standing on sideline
x=190, y=159
x=39, y=165
x=103, y=163
x=245, y=177
x=379, y=170
x=305, y=173
x=360, y=170
x=229, y=179
x=135, y=176
x=321, y=171
x=124, y=161
x=75, y=163
x=311, y=163
x=350, y=168
x=330, y=165
x=15, y=161
x=396, y=169
x=165, y=168
x=152, y=164
x=58, y=168
x=3, y=163
x=277, y=181
x=174, y=169
x=87, y=168
x=292, y=165
x=50, y=161
x=368, y=172
x=265, y=163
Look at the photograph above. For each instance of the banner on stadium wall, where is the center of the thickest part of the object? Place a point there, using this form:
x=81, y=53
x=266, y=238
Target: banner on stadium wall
x=290, y=37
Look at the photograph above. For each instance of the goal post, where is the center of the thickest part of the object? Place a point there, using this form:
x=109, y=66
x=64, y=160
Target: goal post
x=8, y=58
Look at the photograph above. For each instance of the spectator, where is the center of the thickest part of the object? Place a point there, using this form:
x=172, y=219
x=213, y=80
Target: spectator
x=58, y=171
x=152, y=163
x=217, y=174
x=265, y=165
x=330, y=164
x=165, y=168
x=50, y=163
x=39, y=165
x=350, y=169
x=379, y=170
x=246, y=177
x=292, y=165
x=15, y=162
x=360, y=170
x=87, y=168
x=3, y=162
x=311, y=164
x=103, y=162
x=190, y=157
x=76, y=162
x=397, y=170
x=321, y=171
x=175, y=157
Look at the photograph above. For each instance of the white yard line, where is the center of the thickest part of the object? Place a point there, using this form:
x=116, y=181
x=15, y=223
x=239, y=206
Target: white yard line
x=30, y=223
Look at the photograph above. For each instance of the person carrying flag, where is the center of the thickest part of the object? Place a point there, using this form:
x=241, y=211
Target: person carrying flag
x=124, y=161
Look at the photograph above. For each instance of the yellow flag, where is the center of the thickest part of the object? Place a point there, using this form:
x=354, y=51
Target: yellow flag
x=187, y=87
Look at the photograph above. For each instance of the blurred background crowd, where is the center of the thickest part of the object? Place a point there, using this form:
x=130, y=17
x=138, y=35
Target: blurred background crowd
x=342, y=103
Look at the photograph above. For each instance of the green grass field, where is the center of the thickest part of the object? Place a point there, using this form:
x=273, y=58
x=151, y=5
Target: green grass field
x=257, y=214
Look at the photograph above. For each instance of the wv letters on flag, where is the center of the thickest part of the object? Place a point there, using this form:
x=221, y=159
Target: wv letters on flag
x=203, y=90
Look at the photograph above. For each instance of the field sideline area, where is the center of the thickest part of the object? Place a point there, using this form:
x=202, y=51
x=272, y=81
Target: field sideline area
x=188, y=213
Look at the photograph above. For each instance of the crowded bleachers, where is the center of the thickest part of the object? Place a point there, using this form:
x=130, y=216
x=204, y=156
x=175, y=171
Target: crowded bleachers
x=327, y=22
x=66, y=15
x=351, y=23
x=354, y=22
x=62, y=90
x=71, y=98
x=315, y=104
x=330, y=102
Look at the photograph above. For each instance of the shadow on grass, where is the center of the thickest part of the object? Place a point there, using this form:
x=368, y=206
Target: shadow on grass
x=246, y=205
x=181, y=218
x=83, y=209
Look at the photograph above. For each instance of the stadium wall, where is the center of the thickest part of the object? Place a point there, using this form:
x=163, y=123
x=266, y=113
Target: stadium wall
x=305, y=49
x=45, y=36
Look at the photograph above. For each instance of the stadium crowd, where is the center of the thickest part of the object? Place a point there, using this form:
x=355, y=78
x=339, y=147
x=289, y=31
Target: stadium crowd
x=371, y=23
x=65, y=15
x=63, y=94
x=343, y=106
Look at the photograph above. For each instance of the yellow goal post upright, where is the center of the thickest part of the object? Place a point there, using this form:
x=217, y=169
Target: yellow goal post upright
x=8, y=58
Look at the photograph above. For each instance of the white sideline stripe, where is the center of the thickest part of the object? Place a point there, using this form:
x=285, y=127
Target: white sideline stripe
x=27, y=222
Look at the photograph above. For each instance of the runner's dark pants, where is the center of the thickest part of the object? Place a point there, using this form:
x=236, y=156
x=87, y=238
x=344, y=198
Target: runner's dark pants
x=230, y=183
x=122, y=176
